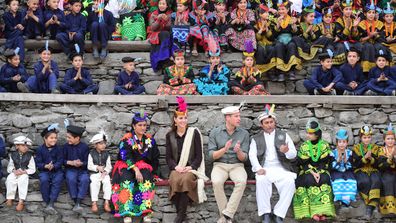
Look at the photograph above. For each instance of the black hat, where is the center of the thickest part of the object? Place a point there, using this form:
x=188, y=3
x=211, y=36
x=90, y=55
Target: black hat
x=51, y=128
x=128, y=59
x=383, y=54
x=326, y=55
x=71, y=2
x=42, y=49
x=75, y=130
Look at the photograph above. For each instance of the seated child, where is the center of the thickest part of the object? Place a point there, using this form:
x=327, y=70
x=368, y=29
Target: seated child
x=33, y=20
x=49, y=161
x=20, y=166
x=46, y=73
x=324, y=77
x=382, y=79
x=12, y=73
x=353, y=80
x=128, y=81
x=99, y=165
x=75, y=160
x=13, y=27
x=178, y=78
x=78, y=80
x=54, y=19
x=343, y=181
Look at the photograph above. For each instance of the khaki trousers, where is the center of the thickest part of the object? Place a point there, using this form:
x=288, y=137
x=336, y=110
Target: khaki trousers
x=220, y=173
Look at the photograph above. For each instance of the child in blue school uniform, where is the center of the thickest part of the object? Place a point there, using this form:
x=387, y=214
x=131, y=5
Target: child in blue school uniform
x=54, y=19
x=33, y=20
x=128, y=81
x=324, y=77
x=74, y=31
x=49, y=161
x=75, y=159
x=12, y=73
x=382, y=78
x=13, y=27
x=46, y=73
x=353, y=81
x=77, y=79
x=101, y=24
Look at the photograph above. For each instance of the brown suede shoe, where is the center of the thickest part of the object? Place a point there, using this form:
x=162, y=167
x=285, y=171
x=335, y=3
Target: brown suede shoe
x=94, y=207
x=9, y=203
x=107, y=206
x=20, y=206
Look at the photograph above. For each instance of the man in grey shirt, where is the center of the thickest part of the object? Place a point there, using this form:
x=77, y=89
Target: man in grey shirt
x=228, y=149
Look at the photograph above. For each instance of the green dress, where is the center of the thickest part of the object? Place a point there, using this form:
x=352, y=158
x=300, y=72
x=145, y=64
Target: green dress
x=312, y=198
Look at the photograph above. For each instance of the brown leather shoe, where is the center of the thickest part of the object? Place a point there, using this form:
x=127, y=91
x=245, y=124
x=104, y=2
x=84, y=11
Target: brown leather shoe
x=107, y=206
x=94, y=207
x=9, y=203
x=20, y=206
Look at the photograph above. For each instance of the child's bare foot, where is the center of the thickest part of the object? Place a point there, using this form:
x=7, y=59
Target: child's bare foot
x=107, y=206
x=316, y=218
x=94, y=207
x=9, y=203
x=20, y=206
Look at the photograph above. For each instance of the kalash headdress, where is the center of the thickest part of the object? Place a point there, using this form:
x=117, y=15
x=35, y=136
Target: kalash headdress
x=389, y=130
x=312, y=125
x=284, y=3
x=388, y=9
x=140, y=116
x=213, y=47
x=269, y=112
x=249, y=49
x=199, y=4
x=181, y=106
x=77, y=53
x=326, y=55
x=263, y=8
x=183, y=2
x=309, y=6
x=178, y=53
x=10, y=53
x=370, y=6
x=327, y=11
x=45, y=48
x=365, y=130
x=347, y=3
x=341, y=134
x=51, y=128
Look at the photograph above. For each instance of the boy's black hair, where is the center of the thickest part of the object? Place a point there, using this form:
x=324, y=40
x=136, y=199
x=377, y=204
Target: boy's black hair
x=72, y=2
x=8, y=2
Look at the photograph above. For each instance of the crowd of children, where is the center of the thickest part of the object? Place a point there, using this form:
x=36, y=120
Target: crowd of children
x=278, y=36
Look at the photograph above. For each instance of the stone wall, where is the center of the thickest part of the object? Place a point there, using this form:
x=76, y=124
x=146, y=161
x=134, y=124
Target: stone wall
x=31, y=117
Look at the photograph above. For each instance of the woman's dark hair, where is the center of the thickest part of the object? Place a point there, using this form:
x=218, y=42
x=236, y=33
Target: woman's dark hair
x=174, y=127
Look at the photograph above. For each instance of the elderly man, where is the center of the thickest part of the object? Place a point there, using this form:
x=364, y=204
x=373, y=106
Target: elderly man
x=228, y=149
x=271, y=154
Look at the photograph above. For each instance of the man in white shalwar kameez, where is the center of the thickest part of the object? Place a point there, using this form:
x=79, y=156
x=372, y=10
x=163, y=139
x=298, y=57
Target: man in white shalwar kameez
x=272, y=155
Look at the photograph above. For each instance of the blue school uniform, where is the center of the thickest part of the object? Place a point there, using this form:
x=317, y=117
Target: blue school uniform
x=73, y=23
x=50, y=180
x=13, y=35
x=43, y=82
x=54, y=28
x=350, y=74
x=322, y=78
x=101, y=31
x=33, y=28
x=123, y=79
x=216, y=84
x=2, y=154
x=382, y=87
x=84, y=86
x=7, y=72
x=77, y=178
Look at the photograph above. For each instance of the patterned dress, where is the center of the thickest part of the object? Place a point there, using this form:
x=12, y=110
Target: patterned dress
x=129, y=197
x=178, y=81
x=343, y=181
x=247, y=82
x=216, y=84
x=387, y=166
x=312, y=198
x=389, y=31
x=237, y=34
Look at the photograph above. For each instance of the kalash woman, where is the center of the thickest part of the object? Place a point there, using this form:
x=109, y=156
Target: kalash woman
x=313, y=197
x=185, y=160
x=135, y=172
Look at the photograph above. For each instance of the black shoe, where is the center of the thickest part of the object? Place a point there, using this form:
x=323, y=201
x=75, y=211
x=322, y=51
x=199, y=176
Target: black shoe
x=281, y=77
x=278, y=219
x=180, y=218
x=267, y=218
x=369, y=211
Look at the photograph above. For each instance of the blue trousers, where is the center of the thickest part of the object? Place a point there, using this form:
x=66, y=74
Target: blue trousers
x=383, y=87
x=33, y=29
x=311, y=87
x=35, y=86
x=70, y=90
x=53, y=30
x=361, y=88
x=77, y=183
x=14, y=40
x=2, y=90
x=100, y=33
x=67, y=44
x=50, y=185
x=121, y=89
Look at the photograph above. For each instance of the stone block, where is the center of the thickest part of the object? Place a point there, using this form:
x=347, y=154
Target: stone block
x=106, y=87
x=152, y=86
x=276, y=88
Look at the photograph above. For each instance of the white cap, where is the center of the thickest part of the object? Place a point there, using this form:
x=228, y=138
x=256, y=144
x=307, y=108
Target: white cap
x=232, y=109
x=22, y=140
x=265, y=115
x=98, y=138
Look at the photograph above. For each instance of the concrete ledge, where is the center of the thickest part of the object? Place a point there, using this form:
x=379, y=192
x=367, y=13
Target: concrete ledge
x=229, y=99
x=116, y=46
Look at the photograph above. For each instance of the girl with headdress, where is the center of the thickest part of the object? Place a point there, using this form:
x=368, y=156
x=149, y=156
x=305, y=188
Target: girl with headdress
x=364, y=163
x=222, y=22
x=178, y=78
x=285, y=57
x=387, y=166
x=200, y=28
x=135, y=172
x=241, y=27
x=247, y=79
x=313, y=197
x=159, y=35
x=325, y=31
x=389, y=28
x=343, y=181
x=185, y=160
x=181, y=24
x=346, y=29
x=213, y=78
x=12, y=72
x=371, y=37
